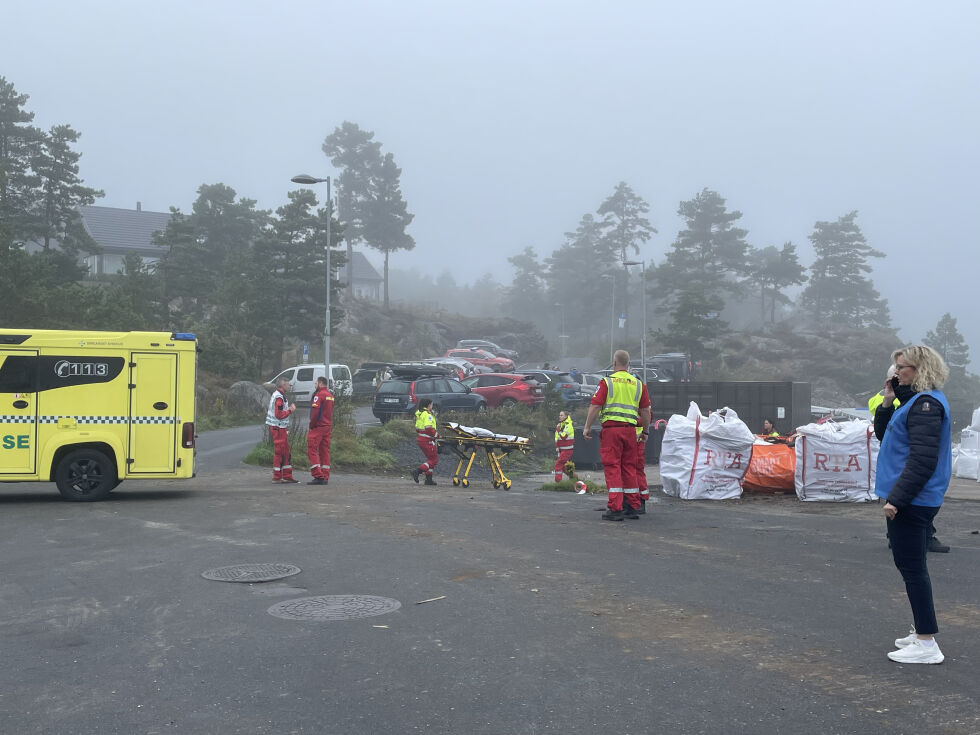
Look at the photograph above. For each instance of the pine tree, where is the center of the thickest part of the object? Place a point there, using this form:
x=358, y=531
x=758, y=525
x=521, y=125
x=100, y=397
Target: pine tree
x=838, y=289
x=704, y=265
x=19, y=183
x=772, y=270
x=948, y=342
x=574, y=278
x=371, y=205
x=63, y=193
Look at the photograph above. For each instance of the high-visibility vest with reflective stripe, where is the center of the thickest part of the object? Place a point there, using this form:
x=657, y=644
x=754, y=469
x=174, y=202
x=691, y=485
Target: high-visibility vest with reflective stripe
x=623, y=393
x=565, y=434
x=423, y=422
x=270, y=417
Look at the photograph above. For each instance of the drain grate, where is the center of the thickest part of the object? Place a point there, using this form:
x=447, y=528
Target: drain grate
x=251, y=572
x=334, y=607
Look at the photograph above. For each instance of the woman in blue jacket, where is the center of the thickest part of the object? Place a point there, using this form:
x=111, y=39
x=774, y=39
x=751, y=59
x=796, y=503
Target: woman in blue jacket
x=913, y=472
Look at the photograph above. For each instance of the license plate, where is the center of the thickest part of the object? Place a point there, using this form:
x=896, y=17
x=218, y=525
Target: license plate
x=391, y=400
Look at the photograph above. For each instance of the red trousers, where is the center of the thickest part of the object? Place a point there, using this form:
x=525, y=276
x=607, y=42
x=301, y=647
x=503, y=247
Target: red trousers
x=617, y=450
x=428, y=447
x=318, y=450
x=282, y=468
x=565, y=455
x=641, y=471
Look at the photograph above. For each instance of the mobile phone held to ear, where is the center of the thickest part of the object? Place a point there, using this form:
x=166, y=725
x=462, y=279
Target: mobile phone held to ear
x=894, y=382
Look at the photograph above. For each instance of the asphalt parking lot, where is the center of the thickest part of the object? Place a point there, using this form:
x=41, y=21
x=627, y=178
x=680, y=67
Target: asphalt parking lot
x=491, y=612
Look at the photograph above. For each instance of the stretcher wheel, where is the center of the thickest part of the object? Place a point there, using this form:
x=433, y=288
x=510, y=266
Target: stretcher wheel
x=455, y=481
x=495, y=484
x=507, y=484
x=466, y=483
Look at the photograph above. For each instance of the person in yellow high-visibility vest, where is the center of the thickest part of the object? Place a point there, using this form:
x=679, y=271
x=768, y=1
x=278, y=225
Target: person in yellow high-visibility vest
x=621, y=403
x=564, y=443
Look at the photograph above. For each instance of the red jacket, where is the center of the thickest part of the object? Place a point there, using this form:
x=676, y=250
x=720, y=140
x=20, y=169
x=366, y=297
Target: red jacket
x=321, y=409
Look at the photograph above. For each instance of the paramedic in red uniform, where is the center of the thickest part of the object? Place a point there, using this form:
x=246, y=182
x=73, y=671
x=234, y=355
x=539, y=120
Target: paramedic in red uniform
x=318, y=438
x=426, y=435
x=277, y=419
x=621, y=403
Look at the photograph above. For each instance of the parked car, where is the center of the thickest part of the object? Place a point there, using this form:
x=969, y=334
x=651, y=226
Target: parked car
x=303, y=378
x=364, y=382
x=463, y=368
x=482, y=357
x=559, y=381
x=485, y=344
x=400, y=395
x=506, y=389
x=588, y=383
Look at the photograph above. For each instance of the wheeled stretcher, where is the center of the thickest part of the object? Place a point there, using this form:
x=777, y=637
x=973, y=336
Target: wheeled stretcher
x=466, y=441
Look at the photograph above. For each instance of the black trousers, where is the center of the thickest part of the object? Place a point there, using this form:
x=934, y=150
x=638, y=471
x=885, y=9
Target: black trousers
x=909, y=533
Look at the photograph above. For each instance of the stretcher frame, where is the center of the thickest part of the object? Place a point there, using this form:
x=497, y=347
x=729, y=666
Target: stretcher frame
x=465, y=444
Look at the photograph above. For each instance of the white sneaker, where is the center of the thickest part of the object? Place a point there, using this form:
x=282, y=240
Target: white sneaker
x=916, y=653
x=907, y=640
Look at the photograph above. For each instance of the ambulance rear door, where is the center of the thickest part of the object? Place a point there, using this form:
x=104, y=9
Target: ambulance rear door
x=18, y=411
x=152, y=412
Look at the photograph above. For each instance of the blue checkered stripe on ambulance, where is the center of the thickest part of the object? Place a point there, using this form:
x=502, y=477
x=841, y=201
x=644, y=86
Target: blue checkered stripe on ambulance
x=90, y=419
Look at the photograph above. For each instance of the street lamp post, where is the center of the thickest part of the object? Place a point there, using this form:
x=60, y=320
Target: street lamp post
x=612, y=313
x=308, y=180
x=563, y=337
x=643, y=302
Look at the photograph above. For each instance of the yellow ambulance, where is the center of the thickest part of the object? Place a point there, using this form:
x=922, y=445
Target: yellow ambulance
x=87, y=410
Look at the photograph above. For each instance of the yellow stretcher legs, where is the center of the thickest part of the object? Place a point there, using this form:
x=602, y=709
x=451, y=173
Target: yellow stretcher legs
x=467, y=453
x=465, y=442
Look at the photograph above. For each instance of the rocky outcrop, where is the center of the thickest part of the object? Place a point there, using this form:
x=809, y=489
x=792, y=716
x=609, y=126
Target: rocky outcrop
x=247, y=398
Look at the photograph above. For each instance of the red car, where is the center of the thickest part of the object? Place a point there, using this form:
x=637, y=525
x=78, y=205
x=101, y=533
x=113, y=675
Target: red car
x=506, y=389
x=482, y=357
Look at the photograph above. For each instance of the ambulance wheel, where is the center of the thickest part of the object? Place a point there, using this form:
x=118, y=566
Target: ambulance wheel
x=466, y=482
x=85, y=475
x=455, y=481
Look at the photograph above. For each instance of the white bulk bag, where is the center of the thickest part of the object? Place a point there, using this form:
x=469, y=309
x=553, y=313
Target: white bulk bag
x=705, y=458
x=836, y=462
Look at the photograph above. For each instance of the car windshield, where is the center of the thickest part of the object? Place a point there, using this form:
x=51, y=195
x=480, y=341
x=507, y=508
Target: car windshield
x=394, y=386
x=471, y=382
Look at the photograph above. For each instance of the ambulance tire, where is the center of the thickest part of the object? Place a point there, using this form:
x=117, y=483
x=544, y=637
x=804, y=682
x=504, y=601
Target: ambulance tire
x=85, y=475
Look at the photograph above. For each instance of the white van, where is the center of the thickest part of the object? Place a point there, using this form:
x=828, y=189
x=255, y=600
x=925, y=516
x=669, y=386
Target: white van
x=303, y=378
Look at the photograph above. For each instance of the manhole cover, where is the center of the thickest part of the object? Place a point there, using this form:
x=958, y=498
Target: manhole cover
x=334, y=607
x=251, y=572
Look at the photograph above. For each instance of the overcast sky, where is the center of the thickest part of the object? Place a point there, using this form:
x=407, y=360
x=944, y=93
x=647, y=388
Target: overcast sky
x=510, y=120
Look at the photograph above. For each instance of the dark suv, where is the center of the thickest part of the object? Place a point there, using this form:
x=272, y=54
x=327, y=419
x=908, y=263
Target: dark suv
x=400, y=395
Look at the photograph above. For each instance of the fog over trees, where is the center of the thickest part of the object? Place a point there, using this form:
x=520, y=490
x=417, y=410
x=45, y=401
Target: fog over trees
x=252, y=282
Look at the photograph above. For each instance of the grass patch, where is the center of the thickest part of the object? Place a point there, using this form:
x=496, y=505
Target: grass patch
x=365, y=453
x=391, y=434
x=592, y=487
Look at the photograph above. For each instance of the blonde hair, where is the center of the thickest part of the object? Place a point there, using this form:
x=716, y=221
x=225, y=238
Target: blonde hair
x=930, y=368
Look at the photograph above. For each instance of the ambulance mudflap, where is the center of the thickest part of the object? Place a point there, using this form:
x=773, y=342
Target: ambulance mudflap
x=88, y=410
